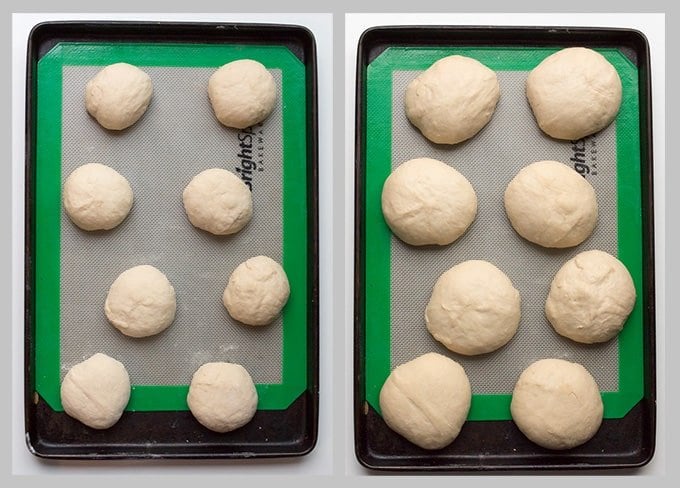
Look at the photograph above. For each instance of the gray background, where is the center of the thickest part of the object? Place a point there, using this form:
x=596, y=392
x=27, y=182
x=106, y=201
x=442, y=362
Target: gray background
x=490, y=159
x=175, y=139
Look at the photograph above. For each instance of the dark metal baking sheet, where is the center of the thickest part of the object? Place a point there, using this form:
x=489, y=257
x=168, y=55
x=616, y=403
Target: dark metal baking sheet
x=174, y=434
x=499, y=445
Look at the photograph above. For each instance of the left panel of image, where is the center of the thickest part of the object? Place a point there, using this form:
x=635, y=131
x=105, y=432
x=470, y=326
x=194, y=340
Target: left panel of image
x=169, y=208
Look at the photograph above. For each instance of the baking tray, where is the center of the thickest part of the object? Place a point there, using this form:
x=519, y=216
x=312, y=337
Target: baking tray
x=393, y=280
x=66, y=269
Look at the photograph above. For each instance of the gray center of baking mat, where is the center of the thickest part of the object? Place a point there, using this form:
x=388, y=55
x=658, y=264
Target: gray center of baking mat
x=176, y=138
x=490, y=160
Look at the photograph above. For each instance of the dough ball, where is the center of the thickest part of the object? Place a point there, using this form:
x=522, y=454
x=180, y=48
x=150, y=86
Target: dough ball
x=242, y=93
x=557, y=404
x=426, y=400
x=141, y=302
x=97, y=197
x=257, y=291
x=222, y=396
x=217, y=201
x=474, y=309
x=96, y=391
x=573, y=93
x=425, y=201
x=590, y=298
x=550, y=204
x=452, y=100
x=118, y=95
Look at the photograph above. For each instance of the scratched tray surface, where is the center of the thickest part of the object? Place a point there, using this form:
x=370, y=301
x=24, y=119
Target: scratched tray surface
x=177, y=137
x=401, y=276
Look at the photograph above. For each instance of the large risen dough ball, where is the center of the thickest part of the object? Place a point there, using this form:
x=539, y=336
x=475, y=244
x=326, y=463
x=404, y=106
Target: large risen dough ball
x=257, y=291
x=474, y=309
x=217, y=201
x=453, y=99
x=590, y=298
x=97, y=197
x=557, y=404
x=426, y=400
x=550, y=204
x=222, y=396
x=242, y=93
x=425, y=201
x=118, y=95
x=573, y=93
x=141, y=302
x=96, y=391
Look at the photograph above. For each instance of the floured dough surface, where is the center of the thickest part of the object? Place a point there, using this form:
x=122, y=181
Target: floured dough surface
x=425, y=201
x=222, y=396
x=591, y=297
x=141, y=302
x=97, y=197
x=118, y=95
x=573, y=93
x=453, y=99
x=474, y=308
x=242, y=93
x=218, y=201
x=96, y=391
x=257, y=291
x=550, y=204
x=426, y=400
x=557, y=404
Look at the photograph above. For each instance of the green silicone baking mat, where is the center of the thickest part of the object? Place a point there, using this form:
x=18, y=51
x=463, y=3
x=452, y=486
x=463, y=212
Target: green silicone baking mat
x=175, y=139
x=395, y=279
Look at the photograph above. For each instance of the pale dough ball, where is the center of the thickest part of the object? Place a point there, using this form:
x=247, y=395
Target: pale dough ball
x=141, y=302
x=257, y=291
x=217, y=201
x=557, y=404
x=96, y=391
x=474, y=309
x=590, y=298
x=222, y=396
x=427, y=400
x=242, y=93
x=425, y=201
x=118, y=95
x=453, y=99
x=573, y=93
x=550, y=204
x=97, y=197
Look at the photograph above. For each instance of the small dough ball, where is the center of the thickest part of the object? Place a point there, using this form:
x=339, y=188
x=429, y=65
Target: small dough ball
x=217, y=201
x=427, y=400
x=118, y=95
x=97, y=197
x=573, y=93
x=474, y=309
x=141, y=302
x=242, y=93
x=557, y=404
x=257, y=291
x=425, y=201
x=222, y=396
x=590, y=298
x=550, y=204
x=452, y=100
x=96, y=391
